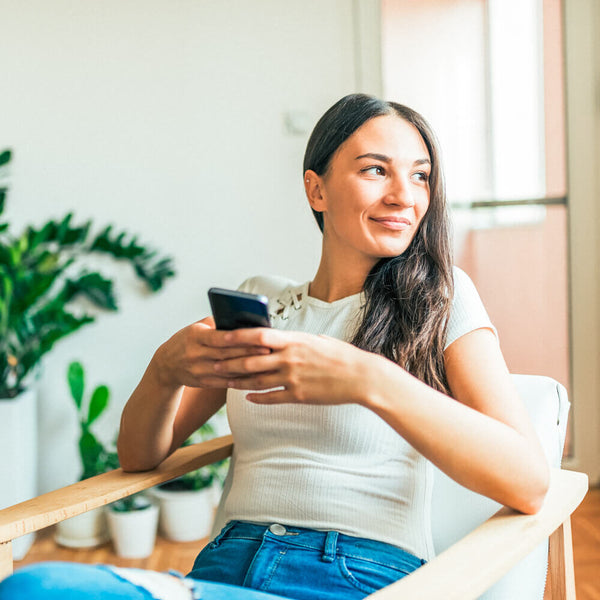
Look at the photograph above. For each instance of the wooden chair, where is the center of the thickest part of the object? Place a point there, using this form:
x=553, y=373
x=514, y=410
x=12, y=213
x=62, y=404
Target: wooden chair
x=469, y=566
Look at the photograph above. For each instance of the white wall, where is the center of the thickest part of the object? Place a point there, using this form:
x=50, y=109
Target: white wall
x=164, y=117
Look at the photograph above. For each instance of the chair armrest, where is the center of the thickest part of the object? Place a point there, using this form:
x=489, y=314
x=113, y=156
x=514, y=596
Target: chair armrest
x=72, y=500
x=473, y=564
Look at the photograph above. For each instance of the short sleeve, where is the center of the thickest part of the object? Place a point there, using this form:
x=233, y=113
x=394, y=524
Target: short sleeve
x=248, y=286
x=269, y=286
x=467, y=312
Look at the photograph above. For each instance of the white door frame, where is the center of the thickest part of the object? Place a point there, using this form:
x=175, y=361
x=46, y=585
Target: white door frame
x=582, y=55
x=366, y=15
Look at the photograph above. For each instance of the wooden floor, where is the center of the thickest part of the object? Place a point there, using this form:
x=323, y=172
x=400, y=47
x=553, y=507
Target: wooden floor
x=180, y=556
x=586, y=546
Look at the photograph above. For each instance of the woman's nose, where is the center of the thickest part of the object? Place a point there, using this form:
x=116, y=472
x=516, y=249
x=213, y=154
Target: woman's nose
x=399, y=193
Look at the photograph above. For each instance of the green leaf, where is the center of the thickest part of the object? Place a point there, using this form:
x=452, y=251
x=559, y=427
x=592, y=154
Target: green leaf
x=5, y=157
x=36, y=288
x=207, y=431
x=76, y=380
x=63, y=227
x=45, y=234
x=90, y=450
x=94, y=287
x=39, y=333
x=63, y=233
x=148, y=267
x=98, y=403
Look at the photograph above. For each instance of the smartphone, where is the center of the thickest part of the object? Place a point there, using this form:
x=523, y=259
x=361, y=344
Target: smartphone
x=234, y=310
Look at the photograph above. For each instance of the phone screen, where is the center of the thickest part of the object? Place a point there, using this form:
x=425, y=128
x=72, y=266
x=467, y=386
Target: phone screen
x=234, y=310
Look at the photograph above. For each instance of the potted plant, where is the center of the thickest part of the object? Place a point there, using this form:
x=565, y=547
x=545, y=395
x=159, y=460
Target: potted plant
x=132, y=524
x=187, y=504
x=89, y=528
x=44, y=272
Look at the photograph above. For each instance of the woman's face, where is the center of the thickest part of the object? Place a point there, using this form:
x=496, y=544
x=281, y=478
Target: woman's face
x=375, y=192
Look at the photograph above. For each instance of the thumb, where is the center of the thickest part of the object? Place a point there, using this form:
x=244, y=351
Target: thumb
x=209, y=322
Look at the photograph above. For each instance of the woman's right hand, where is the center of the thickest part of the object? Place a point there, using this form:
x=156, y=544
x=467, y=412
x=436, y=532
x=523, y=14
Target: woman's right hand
x=179, y=391
x=189, y=356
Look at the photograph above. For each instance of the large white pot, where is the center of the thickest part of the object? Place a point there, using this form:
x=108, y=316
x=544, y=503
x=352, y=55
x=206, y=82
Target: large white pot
x=18, y=457
x=185, y=516
x=133, y=532
x=86, y=530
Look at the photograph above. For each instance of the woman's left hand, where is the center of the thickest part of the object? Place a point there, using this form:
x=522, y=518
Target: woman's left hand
x=304, y=368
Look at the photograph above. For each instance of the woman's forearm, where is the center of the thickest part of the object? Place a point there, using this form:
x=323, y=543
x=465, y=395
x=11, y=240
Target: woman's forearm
x=146, y=432
x=177, y=394
x=480, y=452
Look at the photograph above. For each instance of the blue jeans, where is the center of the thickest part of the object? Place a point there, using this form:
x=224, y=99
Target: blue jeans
x=301, y=563
x=244, y=562
x=73, y=581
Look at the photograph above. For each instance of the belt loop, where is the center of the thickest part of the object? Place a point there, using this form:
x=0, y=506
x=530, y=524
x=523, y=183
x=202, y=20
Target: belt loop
x=330, y=546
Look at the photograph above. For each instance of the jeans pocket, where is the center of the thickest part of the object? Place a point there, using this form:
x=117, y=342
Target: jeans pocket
x=369, y=576
x=215, y=543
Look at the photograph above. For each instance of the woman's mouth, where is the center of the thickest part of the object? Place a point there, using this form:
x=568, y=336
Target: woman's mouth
x=393, y=223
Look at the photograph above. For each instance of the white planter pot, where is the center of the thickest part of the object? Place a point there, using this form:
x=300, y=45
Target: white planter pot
x=86, y=530
x=134, y=532
x=185, y=516
x=18, y=457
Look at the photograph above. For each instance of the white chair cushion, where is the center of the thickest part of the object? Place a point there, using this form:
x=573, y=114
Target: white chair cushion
x=456, y=510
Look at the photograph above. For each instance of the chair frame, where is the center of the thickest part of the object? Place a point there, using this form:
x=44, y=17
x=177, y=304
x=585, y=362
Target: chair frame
x=462, y=572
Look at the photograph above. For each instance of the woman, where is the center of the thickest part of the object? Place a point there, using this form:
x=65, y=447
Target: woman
x=385, y=361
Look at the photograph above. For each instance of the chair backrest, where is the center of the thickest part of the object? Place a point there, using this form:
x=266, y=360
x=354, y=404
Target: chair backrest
x=457, y=511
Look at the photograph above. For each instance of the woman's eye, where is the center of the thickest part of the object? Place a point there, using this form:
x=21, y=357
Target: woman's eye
x=374, y=170
x=422, y=176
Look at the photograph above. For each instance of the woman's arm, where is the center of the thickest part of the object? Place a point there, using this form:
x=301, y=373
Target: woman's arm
x=157, y=419
x=178, y=393
x=485, y=441
x=482, y=438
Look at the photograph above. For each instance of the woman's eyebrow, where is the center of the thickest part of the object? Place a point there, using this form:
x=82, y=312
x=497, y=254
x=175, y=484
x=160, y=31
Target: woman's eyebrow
x=386, y=159
x=382, y=157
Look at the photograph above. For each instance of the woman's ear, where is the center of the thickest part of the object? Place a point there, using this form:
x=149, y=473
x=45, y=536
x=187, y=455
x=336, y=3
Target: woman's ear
x=313, y=186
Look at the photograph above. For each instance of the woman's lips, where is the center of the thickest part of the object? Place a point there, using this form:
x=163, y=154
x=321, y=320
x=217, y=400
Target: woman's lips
x=394, y=223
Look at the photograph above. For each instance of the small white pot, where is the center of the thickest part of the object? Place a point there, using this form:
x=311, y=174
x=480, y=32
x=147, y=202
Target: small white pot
x=133, y=532
x=185, y=516
x=83, y=531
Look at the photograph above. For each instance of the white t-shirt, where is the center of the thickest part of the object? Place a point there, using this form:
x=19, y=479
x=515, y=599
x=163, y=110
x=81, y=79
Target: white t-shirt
x=332, y=467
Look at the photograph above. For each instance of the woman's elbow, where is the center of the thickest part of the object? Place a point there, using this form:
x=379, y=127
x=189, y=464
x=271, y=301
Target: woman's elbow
x=135, y=466
x=132, y=462
x=537, y=488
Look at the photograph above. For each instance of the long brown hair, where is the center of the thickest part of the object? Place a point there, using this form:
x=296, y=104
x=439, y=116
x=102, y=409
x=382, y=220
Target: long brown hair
x=408, y=297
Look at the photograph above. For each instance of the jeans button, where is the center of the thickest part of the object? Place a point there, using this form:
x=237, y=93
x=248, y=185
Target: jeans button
x=277, y=529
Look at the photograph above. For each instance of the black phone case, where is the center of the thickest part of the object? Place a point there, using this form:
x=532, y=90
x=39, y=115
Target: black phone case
x=233, y=310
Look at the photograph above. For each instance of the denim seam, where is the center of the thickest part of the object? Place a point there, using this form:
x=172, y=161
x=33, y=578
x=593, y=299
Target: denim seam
x=347, y=575
x=240, y=537
x=348, y=554
x=267, y=583
x=251, y=565
x=395, y=566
